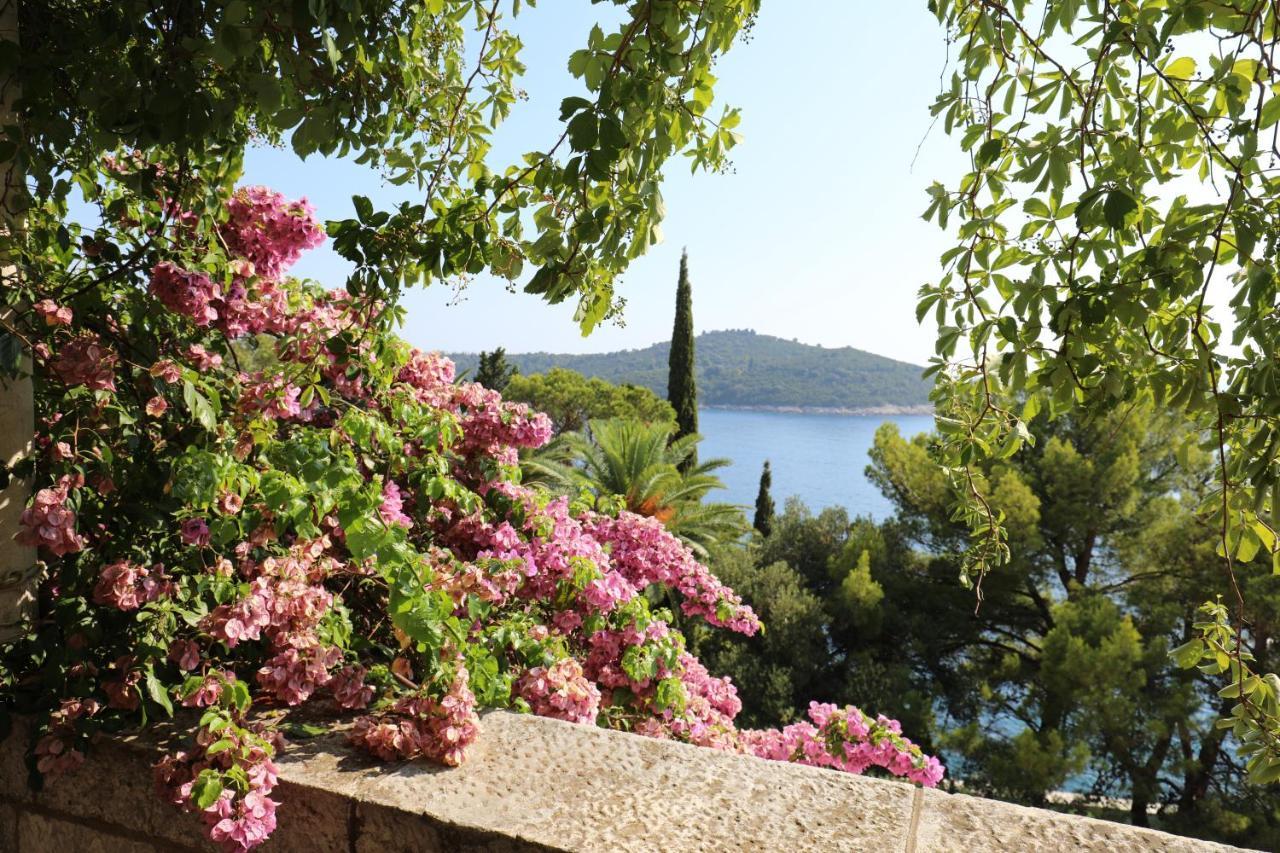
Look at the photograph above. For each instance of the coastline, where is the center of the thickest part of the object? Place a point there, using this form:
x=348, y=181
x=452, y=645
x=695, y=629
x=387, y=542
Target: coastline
x=827, y=410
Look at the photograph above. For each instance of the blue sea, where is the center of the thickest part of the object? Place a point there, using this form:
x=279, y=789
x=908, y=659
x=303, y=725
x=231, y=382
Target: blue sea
x=818, y=458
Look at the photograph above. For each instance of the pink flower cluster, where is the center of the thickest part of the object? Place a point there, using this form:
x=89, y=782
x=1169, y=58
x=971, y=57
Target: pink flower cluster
x=269, y=230
x=295, y=673
x=195, y=531
x=430, y=376
x=183, y=292
x=560, y=691
x=392, y=508
x=491, y=427
x=126, y=586
x=609, y=649
x=54, y=752
x=645, y=552
x=236, y=821
x=265, y=233
x=285, y=603
x=274, y=396
x=349, y=689
x=49, y=523
x=711, y=704
x=53, y=313
x=85, y=360
x=846, y=739
x=209, y=691
x=420, y=725
x=122, y=687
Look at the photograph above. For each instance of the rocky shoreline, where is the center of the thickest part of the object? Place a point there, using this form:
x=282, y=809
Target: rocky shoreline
x=829, y=410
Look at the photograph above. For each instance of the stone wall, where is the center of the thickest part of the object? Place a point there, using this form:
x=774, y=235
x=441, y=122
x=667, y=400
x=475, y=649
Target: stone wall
x=535, y=784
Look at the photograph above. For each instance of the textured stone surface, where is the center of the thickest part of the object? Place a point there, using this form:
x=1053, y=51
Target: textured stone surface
x=953, y=823
x=8, y=827
x=564, y=786
x=536, y=785
x=39, y=833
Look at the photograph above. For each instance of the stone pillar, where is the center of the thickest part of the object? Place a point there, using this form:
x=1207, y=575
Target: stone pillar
x=18, y=572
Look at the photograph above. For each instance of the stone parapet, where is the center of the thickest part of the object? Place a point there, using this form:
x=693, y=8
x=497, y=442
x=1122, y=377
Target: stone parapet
x=532, y=784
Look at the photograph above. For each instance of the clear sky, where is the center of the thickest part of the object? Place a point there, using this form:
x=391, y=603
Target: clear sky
x=815, y=234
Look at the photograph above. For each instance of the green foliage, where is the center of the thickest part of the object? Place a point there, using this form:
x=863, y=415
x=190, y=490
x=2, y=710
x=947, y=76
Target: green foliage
x=763, y=519
x=572, y=401
x=494, y=372
x=682, y=388
x=821, y=641
x=742, y=368
x=1115, y=246
x=773, y=670
x=1064, y=668
x=650, y=472
x=1063, y=676
x=412, y=89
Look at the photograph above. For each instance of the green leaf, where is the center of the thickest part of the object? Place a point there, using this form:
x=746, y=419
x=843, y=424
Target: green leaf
x=1117, y=207
x=207, y=789
x=199, y=406
x=302, y=731
x=158, y=693
x=989, y=151
x=1182, y=68
x=331, y=49
x=1188, y=654
x=583, y=131
x=219, y=746
x=572, y=105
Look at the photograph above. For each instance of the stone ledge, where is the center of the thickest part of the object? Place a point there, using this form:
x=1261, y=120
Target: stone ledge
x=533, y=784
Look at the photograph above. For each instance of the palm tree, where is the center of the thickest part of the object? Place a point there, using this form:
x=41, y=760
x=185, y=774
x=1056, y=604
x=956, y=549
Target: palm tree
x=638, y=463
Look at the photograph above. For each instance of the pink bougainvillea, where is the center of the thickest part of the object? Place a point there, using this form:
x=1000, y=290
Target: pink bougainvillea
x=49, y=523
x=84, y=360
x=337, y=521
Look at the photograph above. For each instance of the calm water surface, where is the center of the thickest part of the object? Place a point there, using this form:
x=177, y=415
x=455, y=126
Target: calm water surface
x=819, y=458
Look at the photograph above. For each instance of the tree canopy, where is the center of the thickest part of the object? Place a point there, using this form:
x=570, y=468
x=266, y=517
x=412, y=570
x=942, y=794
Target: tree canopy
x=572, y=401
x=1115, y=245
x=413, y=89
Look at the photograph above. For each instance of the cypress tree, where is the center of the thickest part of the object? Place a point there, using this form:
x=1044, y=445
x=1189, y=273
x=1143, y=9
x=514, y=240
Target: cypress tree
x=764, y=503
x=682, y=392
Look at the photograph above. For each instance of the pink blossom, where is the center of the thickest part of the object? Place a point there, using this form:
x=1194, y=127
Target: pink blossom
x=392, y=508
x=167, y=370
x=49, y=523
x=84, y=360
x=53, y=313
x=241, y=824
x=185, y=653
x=54, y=752
x=195, y=531
x=560, y=691
x=184, y=292
x=440, y=729
x=349, y=689
x=157, y=406
x=122, y=691
x=203, y=360
x=210, y=689
x=269, y=230
x=230, y=503
x=295, y=673
x=126, y=586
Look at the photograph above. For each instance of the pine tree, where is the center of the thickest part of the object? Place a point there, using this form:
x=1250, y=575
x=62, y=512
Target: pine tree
x=764, y=503
x=493, y=371
x=682, y=391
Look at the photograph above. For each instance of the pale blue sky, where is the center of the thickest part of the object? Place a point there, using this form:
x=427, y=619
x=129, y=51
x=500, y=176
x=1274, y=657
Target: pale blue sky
x=815, y=234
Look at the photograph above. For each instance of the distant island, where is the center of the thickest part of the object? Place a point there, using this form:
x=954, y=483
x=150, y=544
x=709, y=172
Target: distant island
x=741, y=369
